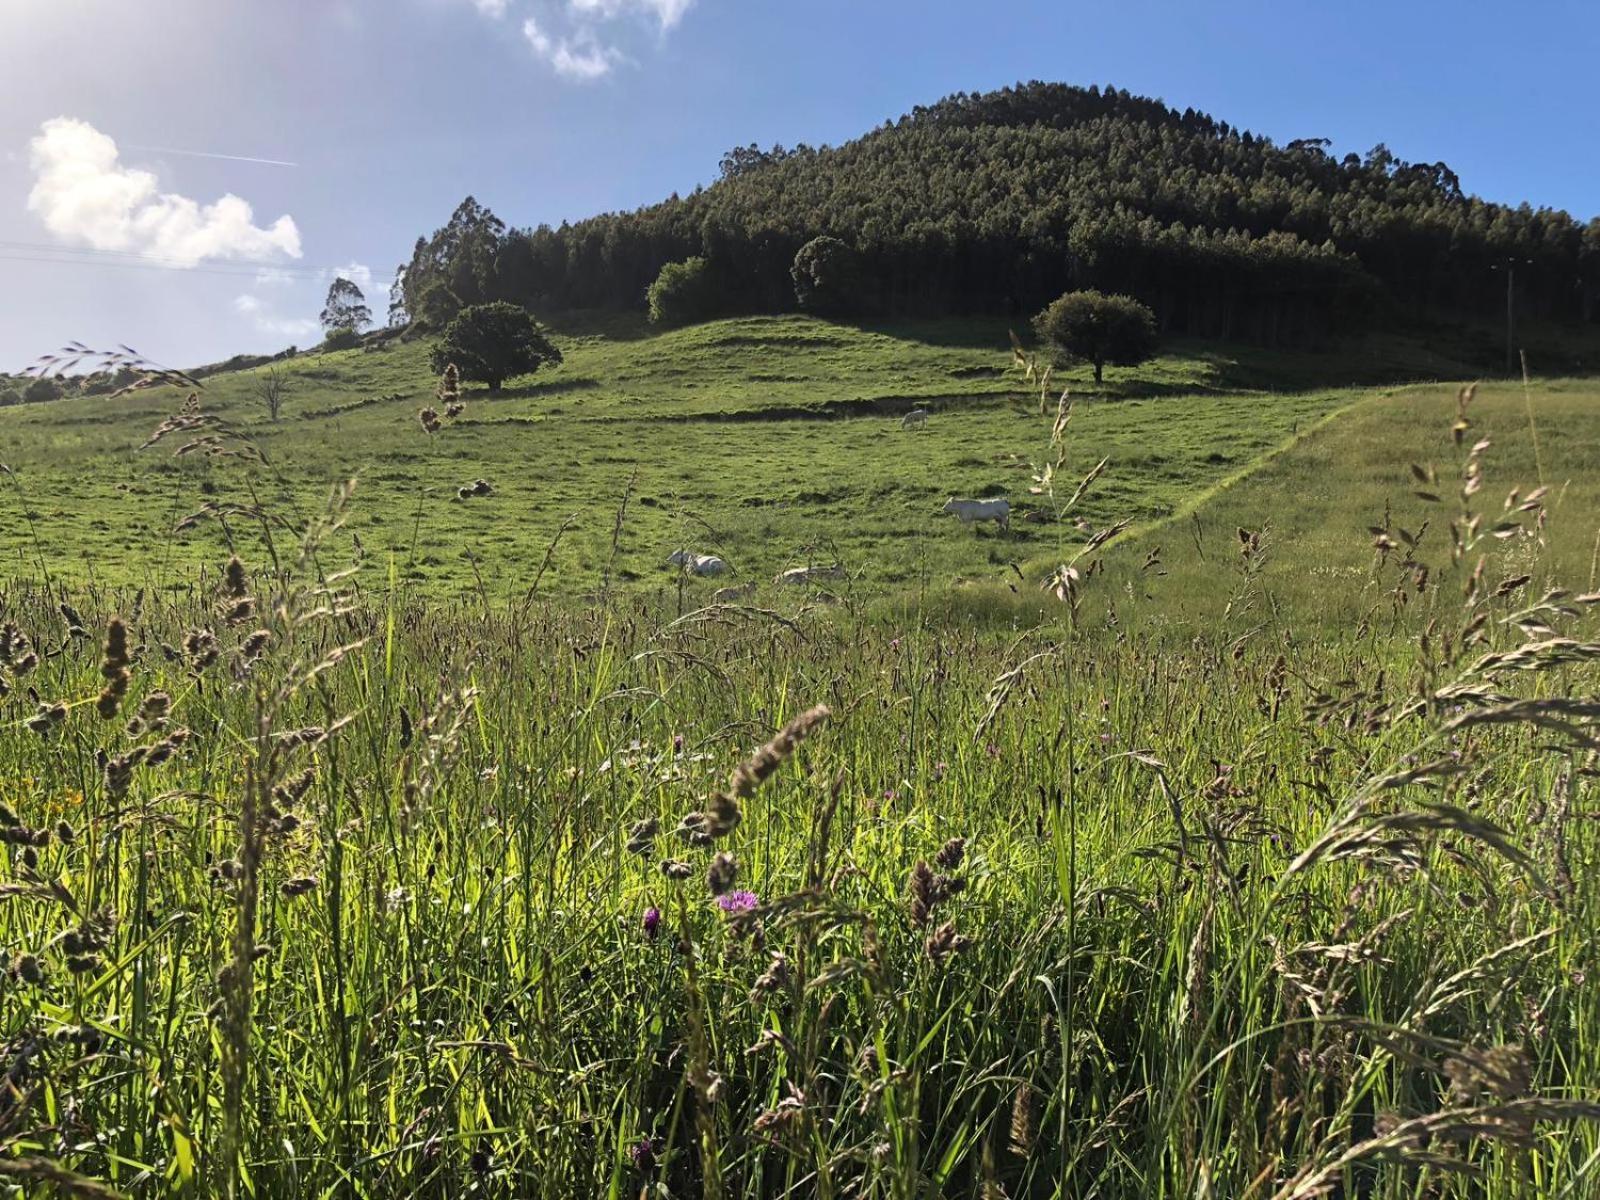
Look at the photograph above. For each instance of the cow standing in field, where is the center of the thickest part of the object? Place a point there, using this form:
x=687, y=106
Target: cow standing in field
x=917, y=418
x=968, y=512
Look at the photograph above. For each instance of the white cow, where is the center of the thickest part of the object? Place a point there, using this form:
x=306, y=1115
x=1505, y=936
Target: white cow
x=997, y=510
x=697, y=564
x=803, y=575
x=727, y=594
x=917, y=418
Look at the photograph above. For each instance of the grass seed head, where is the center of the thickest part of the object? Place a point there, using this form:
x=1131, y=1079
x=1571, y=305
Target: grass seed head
x=722, y=873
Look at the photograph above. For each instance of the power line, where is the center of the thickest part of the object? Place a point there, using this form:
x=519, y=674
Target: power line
x=93, y=252
x=306, y=275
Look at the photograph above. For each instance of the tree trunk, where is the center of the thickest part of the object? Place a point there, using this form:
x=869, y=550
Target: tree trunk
x=1099, y=370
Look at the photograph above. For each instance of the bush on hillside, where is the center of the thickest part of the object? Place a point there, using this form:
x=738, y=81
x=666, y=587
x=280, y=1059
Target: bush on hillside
x=9, y=396
x=683, y=293
x=491, y=343
x=1099, y=329
x=828, y=279
x=41, y=390
x=341, y=339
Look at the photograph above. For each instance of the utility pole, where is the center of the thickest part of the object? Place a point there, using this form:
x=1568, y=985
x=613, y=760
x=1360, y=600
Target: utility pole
x=1509, y=266
x=1511, y=315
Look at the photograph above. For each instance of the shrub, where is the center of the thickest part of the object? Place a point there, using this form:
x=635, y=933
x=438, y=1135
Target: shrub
x=490, y=343
x=341, y=339
x=9, y=396
x=41, y=390
x=827, y=278
x=683, y=293
x=1099, y=329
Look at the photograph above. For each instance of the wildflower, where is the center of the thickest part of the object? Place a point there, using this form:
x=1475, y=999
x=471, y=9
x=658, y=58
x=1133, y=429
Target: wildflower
x=738, y=902
x=652, y=922
x=992, y=750
x=643, y=1155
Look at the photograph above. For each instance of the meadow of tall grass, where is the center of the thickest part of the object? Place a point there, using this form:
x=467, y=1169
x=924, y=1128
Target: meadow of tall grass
x=316, y=892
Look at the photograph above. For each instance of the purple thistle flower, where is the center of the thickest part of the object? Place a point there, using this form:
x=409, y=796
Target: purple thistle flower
x=737, y=902
x=652, y=922
x=643, y=1154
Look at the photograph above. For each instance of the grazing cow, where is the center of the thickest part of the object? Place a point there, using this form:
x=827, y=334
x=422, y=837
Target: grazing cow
x=803, y=575
x=728, y=594
x=997, y=510
x=917, y=418
x=697, y=564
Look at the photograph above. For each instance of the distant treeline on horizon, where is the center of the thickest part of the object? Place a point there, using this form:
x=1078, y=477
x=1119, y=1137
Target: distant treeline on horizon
x=997, y=203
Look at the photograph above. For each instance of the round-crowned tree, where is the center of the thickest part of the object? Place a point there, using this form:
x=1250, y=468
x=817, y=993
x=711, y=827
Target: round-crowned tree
x=683, y=293
x=491, y=343
x=42, y=389
x=1099, y=329
x=827, y=278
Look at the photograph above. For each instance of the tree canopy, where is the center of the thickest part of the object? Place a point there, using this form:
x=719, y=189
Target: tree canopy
x=827, y=278
x=491, y=343
x=683, y=293
x=1099, y=329
x=1000, y=202
x=346, y=307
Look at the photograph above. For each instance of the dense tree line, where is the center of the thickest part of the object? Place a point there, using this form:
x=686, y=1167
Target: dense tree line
x=1003, y=201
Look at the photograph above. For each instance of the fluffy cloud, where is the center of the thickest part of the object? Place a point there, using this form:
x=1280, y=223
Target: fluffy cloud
x=357, y=273
x=84, y=195
x=581, y=57
x=268, y=321
x=666, y=12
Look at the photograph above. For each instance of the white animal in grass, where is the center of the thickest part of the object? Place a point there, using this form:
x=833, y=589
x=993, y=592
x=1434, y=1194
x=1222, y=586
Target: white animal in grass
x=803, y=575
x=997, y=510
x=697, y=564
x=739, y=592
x=917, y=418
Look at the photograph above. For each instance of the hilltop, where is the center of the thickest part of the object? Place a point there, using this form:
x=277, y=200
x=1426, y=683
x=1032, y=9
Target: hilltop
x=996, y=203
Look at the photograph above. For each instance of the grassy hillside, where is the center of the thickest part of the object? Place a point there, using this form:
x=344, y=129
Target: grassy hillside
x=317, y=887
x=1316, y=501
x=771, y=441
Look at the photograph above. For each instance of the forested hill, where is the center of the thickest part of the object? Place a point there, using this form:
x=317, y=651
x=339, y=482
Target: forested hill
x=999, y=202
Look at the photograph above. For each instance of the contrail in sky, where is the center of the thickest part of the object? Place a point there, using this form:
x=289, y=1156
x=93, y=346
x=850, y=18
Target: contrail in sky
x=267, y=162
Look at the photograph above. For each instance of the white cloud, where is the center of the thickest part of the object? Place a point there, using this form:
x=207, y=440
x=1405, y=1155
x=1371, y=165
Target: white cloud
x=357, y=273
x=582, y=57
x=84, y=195
x=667, y=12
x=275, y=277
x=267, y=321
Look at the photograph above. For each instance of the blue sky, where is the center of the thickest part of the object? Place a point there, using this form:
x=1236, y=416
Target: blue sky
x=392, y=110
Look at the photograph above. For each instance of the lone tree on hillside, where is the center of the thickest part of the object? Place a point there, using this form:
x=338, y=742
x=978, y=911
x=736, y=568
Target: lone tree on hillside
x=490, y=343
x=271, y=386
x=1099, y=329
x=827, y=278
x=346, y=307
x=683, y=293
